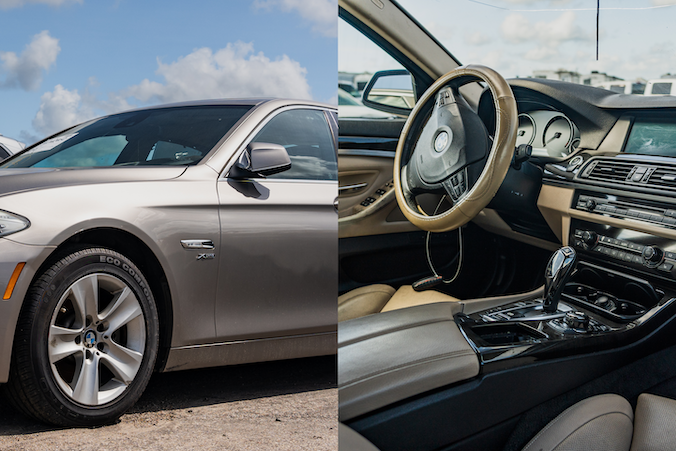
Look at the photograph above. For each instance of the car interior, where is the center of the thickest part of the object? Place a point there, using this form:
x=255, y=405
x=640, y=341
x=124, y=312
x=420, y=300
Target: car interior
x=522, y=294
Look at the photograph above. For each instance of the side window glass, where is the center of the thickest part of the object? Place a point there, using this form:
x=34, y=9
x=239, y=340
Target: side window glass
x=307, y=138
x=358, y=59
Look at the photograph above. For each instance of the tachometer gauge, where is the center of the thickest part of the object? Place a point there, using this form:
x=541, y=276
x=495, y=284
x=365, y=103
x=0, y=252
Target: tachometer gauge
x=526, y=131
x=558, y=135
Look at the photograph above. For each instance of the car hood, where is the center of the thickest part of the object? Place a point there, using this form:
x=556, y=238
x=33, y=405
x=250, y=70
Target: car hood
x=29, y=179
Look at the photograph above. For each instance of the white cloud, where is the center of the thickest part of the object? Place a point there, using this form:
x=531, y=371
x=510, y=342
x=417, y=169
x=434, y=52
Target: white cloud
x=518, y=29
x=60, y=109
x=7, y=4
x=322, y=13
x=477, y=38
x=26, y=70
x=541, y=53
x=234, y=71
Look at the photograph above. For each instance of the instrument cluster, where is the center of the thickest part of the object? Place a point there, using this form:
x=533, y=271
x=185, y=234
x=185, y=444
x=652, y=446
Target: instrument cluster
x=550, y=133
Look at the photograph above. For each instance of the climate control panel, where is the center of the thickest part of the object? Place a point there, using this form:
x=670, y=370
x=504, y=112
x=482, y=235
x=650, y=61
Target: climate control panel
x=624, y=248
x=650, y=256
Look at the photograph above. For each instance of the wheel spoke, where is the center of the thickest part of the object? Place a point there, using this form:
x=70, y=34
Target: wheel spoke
x=123, y=308
x=86, y=294
x=62, y=343
x=123, y=362
x=86, y=389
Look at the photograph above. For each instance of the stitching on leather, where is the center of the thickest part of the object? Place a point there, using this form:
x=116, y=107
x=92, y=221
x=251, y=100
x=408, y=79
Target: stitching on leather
x=414, y=363
x=561, y=416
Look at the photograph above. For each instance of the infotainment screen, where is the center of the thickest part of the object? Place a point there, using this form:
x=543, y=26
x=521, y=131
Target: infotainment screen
x=652, y=137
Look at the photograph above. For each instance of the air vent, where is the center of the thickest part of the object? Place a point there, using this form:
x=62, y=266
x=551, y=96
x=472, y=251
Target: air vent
x=663, y=176
x=609, y=171
x=628, y=173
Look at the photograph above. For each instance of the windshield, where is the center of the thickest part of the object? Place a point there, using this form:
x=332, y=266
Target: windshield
x=169, y=136
x=557, y=39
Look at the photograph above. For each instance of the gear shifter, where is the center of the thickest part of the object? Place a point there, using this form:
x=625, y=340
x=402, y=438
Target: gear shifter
x=559, y=268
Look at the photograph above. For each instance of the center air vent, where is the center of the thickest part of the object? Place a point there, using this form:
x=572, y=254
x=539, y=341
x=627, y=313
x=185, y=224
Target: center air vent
x=663, y=176
x=629, y=173
x=608, y=171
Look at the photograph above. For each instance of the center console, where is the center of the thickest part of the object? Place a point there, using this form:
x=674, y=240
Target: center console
x=616, y=280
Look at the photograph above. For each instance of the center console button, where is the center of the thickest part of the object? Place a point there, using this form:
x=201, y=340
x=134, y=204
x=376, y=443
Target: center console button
x=652, y=255
x=577, y=320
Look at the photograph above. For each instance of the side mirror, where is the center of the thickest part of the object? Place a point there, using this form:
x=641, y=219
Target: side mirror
x=261, y=160
x=391, y=91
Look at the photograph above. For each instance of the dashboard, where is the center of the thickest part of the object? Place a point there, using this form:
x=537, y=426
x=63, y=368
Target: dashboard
x=602, y=178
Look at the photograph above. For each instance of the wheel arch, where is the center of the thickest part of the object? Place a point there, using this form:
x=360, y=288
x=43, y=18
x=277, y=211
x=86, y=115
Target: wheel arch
x=138, y=252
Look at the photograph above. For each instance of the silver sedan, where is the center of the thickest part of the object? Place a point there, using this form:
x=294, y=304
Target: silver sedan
x=161, y=239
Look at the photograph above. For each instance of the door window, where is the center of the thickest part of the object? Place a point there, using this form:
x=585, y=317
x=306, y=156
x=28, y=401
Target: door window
x=306, y=136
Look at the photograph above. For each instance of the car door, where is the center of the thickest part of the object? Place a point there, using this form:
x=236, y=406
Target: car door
x=278, y=254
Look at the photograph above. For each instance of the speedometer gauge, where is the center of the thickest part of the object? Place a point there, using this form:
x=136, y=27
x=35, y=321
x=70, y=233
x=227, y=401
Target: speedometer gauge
x=558, y=135
x=526, y=131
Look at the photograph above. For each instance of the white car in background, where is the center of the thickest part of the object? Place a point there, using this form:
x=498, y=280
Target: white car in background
x=661, y=87
x=9, y=146
x=623, y=87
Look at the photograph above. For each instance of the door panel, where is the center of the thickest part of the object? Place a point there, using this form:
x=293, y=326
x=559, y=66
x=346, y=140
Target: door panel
x=277, y=259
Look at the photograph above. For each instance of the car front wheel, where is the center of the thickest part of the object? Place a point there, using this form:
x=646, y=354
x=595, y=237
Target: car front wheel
x=86, y=340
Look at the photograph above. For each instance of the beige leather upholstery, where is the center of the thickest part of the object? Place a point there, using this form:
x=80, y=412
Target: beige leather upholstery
x=383, y=298
x=363, y=301
x=394, y=355
x=655, y=424
x=599, y=423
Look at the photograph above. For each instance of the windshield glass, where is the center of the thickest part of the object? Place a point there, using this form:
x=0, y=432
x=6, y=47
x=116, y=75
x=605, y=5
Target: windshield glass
x=169, y=136
x=557, y=39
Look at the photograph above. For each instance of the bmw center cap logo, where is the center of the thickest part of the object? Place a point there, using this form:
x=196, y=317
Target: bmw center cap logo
x=90, y=339
x=441, y=141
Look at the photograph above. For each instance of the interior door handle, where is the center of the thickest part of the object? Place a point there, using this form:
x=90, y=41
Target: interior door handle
x=349, y=188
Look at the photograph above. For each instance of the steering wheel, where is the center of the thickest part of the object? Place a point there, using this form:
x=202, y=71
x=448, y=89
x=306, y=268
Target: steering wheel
x=453, y=153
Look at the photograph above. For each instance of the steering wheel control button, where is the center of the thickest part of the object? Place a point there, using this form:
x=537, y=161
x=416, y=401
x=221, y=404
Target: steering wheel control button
x=456, y=185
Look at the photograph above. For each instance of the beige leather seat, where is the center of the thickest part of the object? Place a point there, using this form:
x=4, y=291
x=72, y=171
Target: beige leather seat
x=599, y=423
x=606, y=422
x=382, y=298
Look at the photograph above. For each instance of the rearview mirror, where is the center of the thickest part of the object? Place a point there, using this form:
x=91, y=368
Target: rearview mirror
x=390, y=91
x=261, y=160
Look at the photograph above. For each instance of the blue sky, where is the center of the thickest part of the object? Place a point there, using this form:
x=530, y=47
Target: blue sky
x=516, y=37
x=65, y=61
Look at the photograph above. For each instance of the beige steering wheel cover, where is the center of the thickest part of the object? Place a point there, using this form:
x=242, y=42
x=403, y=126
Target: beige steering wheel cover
x=497, y=164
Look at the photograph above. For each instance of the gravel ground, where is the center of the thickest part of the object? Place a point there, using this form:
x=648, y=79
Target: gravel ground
x=290, y=405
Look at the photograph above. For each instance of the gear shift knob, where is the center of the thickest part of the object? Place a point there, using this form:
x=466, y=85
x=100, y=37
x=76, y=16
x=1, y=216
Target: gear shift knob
x=560, y=265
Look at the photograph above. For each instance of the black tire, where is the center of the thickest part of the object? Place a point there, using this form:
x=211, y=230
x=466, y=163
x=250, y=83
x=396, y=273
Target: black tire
x=99, y=364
